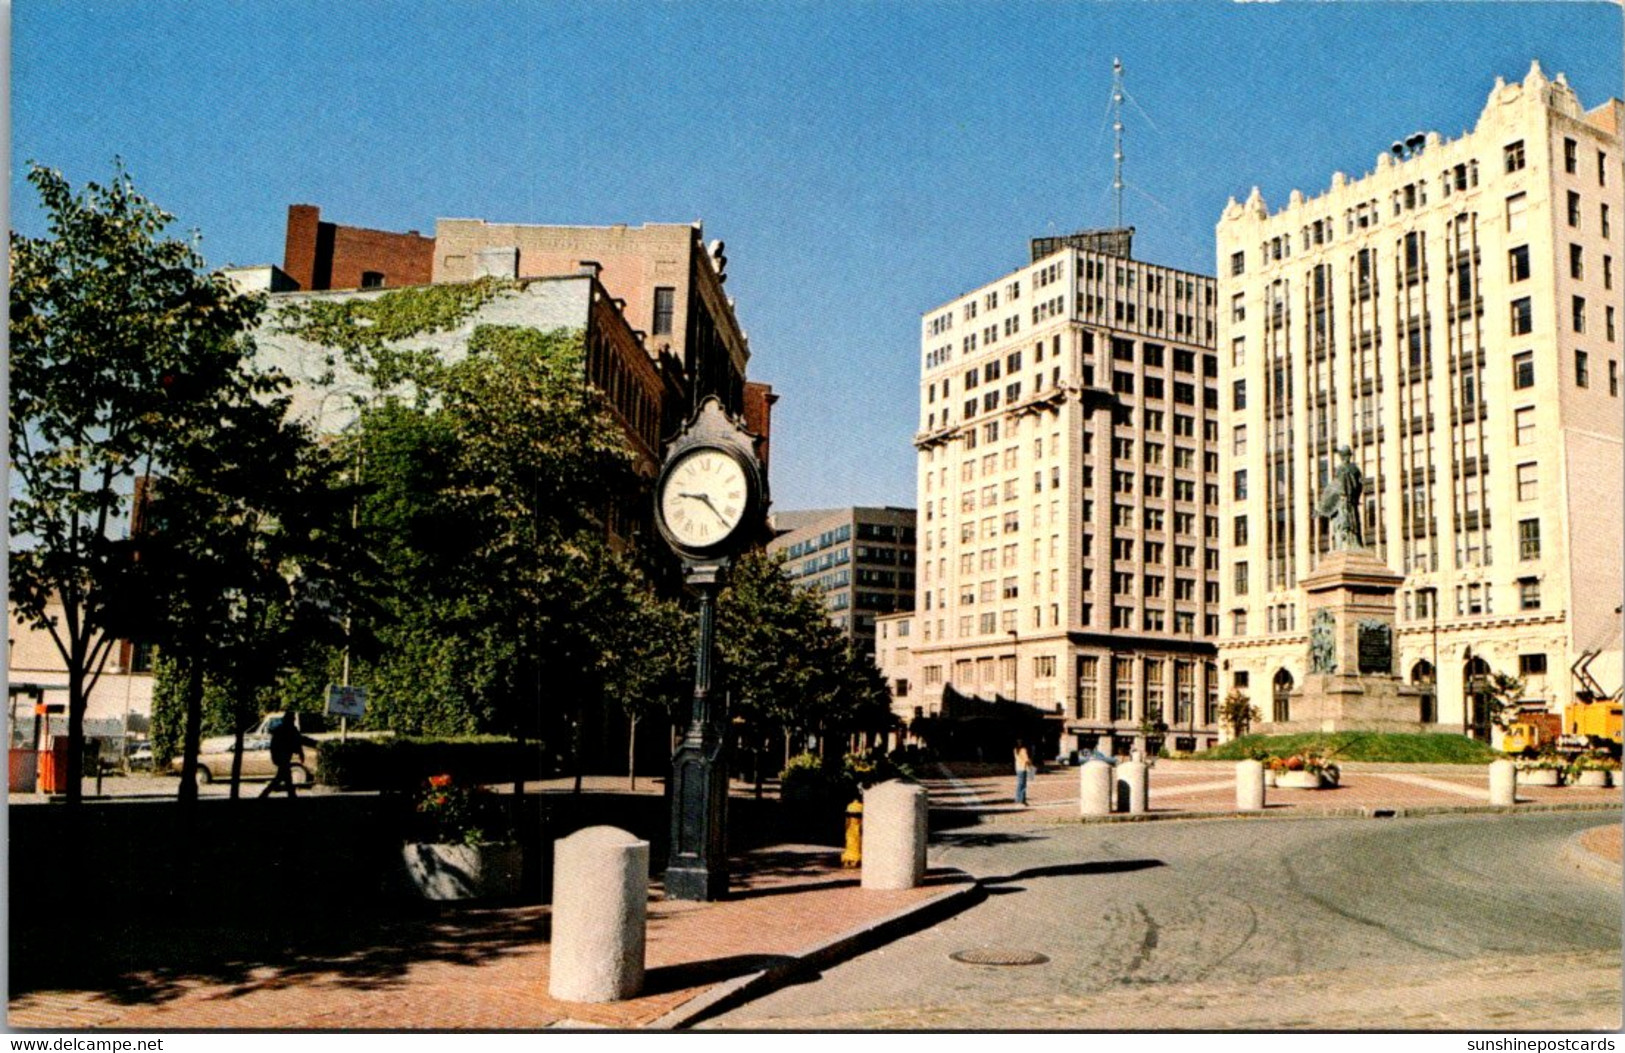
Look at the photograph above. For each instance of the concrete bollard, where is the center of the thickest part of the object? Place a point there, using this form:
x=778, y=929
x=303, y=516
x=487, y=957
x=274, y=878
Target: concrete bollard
x=1249, y=786
x=1133, y=786
x=600, y=915
x=1095, y=788
x=1503, y=783
x=894, y=832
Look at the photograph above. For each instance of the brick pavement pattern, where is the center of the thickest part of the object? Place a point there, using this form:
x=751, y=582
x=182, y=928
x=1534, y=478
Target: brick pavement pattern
x=791, y=900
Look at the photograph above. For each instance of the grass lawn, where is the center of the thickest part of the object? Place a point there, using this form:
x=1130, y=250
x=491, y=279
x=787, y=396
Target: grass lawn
x=1360, y=746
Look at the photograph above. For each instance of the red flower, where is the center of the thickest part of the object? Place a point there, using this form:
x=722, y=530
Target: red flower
x=439, y=781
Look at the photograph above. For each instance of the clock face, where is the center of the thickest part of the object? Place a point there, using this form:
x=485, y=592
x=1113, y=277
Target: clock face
x=704, y=498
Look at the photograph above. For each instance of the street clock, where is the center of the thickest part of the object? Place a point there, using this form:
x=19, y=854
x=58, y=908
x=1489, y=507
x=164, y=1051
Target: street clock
x=710, y=494
x=709, y=504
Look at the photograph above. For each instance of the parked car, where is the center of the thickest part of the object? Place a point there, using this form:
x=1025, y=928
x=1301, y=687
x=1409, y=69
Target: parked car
x=139, y=757
x=214, y=758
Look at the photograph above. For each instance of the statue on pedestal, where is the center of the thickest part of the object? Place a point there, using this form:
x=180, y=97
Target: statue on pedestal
x=1340, y=504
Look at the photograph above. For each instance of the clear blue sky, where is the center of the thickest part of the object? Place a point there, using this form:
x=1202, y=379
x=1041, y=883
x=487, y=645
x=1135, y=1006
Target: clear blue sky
x=863, y=162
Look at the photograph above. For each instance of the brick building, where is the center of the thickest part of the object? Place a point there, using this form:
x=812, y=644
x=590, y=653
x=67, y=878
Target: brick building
x=320, y=255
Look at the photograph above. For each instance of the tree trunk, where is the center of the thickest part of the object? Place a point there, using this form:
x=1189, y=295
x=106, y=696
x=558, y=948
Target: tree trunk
x=632, y=755
x=237, y=762
x=194, y=732
x=575, y=750
x=76, y=735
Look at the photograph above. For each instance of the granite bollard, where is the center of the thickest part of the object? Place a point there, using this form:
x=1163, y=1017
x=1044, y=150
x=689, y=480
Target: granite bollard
x=1133, y=785
x=894, y=834
x=1503, y=783
x=1095, y=788
x=600, y=915
x=1249, y=786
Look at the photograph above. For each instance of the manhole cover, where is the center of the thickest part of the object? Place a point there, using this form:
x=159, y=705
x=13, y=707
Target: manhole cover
x=998, y=956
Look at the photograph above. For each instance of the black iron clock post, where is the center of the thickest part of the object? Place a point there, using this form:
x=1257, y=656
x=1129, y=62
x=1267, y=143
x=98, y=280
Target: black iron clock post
x=708, y=503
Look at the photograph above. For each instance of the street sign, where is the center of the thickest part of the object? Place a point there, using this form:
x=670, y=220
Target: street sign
x=346, y=701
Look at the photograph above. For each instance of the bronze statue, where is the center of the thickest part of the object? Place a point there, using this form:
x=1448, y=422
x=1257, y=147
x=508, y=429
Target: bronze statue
x=1340, y=503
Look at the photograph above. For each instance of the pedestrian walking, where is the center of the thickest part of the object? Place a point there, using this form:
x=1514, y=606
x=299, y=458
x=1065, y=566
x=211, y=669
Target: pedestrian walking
x=1024, y=771
x=287, y=745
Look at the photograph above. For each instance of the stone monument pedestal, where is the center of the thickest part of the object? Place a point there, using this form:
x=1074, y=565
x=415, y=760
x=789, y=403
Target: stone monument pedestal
x=1352, y=683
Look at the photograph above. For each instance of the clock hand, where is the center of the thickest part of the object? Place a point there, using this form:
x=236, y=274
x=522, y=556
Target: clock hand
x=706, y=500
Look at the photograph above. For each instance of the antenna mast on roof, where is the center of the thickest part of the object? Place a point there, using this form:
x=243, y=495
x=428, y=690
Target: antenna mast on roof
x=1117, y=129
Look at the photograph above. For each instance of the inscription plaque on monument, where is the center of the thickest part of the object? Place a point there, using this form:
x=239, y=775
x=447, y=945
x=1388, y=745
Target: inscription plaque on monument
x=1376, y=647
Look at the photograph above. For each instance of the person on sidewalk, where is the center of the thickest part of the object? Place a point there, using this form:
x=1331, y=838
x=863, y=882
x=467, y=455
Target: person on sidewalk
x=1024, y=771
x=287, y=744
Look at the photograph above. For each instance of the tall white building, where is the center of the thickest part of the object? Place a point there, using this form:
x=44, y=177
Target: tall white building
x=1068, y=491
x=1452, y=316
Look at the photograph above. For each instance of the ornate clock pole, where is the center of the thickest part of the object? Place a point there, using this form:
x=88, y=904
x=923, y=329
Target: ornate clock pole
x=708, y=502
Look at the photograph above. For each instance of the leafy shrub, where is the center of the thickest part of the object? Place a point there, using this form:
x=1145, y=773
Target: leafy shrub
x=913, y=762
x=863, y=770
x=445, y=813
x=804, y=779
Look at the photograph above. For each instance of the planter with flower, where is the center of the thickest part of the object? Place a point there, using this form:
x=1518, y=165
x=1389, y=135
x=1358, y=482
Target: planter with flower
x=1274, y=768
x=461, y=845
x=1595, y=771
x=1308, y=771
x=1546, y=770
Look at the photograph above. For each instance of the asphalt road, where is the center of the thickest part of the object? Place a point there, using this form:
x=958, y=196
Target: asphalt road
x=1445, y=923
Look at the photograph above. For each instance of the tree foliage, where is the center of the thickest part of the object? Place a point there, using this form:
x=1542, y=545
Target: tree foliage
x=785, y=668
x=123, y=352
x=484, y=485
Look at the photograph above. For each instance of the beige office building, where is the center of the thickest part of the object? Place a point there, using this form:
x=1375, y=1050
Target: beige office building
x=1452, y=316
x=1068, y=480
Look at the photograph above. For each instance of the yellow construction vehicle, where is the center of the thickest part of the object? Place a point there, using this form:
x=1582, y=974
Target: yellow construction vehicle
x=1594, y=725
x=1532, y=732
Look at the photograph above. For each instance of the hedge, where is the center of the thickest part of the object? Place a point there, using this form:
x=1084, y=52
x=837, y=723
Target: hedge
x=404, y=763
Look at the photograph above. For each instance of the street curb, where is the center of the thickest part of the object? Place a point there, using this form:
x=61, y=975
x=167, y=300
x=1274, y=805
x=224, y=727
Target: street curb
x=1577, y=855
x=1363, y=812
x=738, y=991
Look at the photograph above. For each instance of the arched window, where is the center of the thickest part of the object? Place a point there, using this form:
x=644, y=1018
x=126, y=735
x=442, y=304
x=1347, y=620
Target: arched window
x=1283, y=694
x=1422, y=678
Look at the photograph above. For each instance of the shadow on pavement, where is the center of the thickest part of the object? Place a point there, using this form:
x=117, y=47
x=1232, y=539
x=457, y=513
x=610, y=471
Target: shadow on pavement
x=988, y=840
x=667, y=978
x=1115, y=866
x=154, y=963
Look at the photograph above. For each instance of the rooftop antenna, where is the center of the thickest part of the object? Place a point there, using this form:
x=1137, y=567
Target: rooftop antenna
x=1117, y=130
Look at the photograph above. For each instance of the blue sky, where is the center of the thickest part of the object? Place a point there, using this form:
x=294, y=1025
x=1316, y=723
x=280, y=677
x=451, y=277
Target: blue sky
x=863, y=162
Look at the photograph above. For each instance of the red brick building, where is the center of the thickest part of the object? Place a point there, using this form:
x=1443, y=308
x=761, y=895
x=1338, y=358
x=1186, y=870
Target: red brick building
x=321, y=255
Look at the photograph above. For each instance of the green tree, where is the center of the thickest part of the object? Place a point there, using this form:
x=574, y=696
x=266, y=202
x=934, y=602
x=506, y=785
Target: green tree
x=121, y=350
x=1238, y=714
x=244, y=560
x=785, y=668
x=485, y=486
x=1502, y=692
x=645, y=658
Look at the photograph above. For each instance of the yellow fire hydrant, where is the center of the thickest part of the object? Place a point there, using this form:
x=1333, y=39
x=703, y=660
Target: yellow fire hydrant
x=853, y=856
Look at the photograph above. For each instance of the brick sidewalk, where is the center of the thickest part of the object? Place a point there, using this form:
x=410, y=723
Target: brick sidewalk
x=487, y=969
